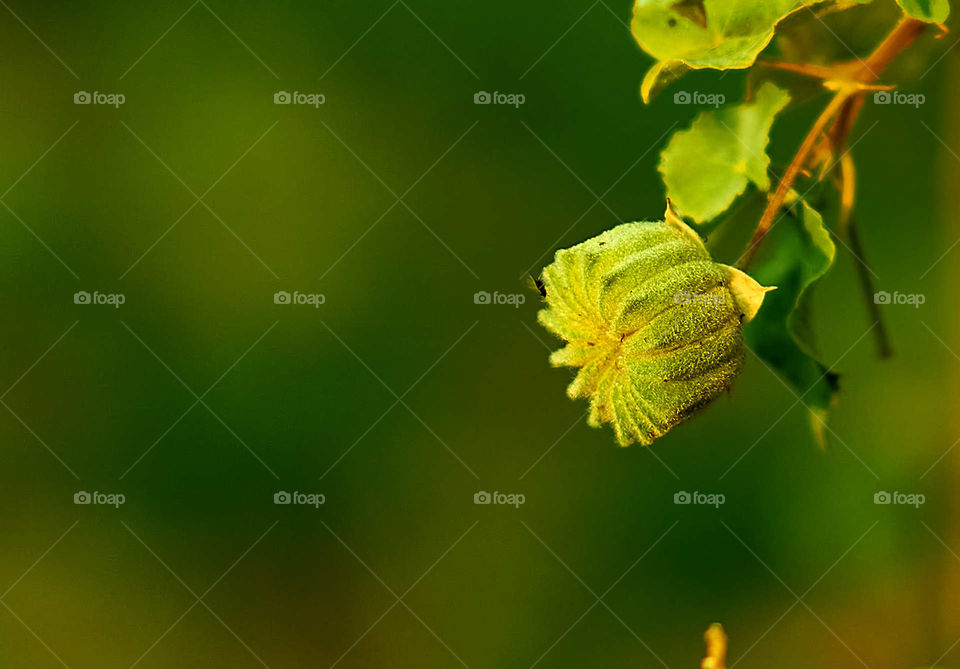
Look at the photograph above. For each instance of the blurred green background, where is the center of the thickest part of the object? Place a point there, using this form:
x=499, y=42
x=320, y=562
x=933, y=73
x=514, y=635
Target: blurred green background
x=400, y=397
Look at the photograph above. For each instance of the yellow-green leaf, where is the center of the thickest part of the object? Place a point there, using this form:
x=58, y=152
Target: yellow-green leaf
x=747, y=293
x=658, y=77
x=708, y=166
x=934, y=11
x=651, y=321
x=721, y=34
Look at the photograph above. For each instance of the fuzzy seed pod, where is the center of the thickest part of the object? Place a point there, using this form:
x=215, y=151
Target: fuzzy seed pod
x=654, y=325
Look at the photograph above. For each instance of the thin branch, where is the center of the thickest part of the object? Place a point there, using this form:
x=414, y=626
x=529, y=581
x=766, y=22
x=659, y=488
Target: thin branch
x=843, y=109
x=824, y=72
x=793, y=170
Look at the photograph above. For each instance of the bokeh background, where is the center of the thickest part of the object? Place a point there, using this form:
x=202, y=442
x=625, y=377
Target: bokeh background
x=400, y=397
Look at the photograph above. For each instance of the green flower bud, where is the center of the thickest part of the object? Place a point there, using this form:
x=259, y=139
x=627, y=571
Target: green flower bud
x=654, y=325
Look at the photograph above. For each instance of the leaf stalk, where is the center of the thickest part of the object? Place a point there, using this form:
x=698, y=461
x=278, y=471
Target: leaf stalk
x=851, y=81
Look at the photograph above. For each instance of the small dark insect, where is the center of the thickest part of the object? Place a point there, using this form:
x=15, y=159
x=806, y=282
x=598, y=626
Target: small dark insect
x=539, y=285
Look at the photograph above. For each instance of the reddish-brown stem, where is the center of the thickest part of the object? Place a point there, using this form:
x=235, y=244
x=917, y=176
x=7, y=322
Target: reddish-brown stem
x=901, y=37
x=845, y=119
x=816, y=71
x=793, y=170
x=845, y=106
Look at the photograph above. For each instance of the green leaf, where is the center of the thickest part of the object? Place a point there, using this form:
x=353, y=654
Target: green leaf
x=708, y=166
x=659, y=77
x=797, y=252
x=721, y=34
x=934, y=11
x=651, y=321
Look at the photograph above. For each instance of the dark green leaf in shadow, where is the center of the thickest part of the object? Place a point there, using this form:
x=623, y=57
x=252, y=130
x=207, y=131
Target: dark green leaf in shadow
x=797, y=252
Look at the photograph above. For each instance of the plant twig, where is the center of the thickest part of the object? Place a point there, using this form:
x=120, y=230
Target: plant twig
x=880, y=334
x=848, y=190
x=845, y=107
x=824, y=72
x=847, y=227
x=793, y=170
x=899, y=39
